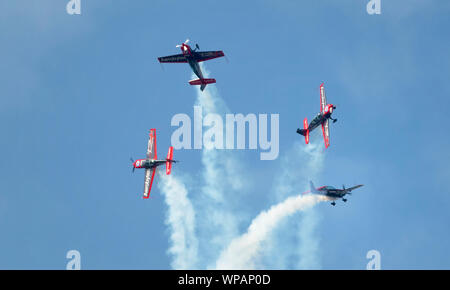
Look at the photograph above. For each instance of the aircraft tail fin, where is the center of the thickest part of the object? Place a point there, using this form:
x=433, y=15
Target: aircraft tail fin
x=312, y=187
x=169, y=160
x=304, y=131
x=202, y=83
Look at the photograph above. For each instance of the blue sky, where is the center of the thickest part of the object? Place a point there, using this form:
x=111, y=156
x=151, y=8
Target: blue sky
x=79, y=93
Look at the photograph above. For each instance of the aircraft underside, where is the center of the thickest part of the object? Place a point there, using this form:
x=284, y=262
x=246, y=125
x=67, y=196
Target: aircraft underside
x=196, y=68
x=316, y=122
x=193, y=57
x=334, y=197
x=152, y=164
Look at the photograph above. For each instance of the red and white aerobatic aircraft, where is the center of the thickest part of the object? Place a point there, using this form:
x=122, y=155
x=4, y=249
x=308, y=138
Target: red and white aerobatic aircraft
x=151, y=163
x=193, y=57
x=321, y=119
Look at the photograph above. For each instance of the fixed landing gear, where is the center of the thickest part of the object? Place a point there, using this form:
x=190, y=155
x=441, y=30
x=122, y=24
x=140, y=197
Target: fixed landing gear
x=333, y=203
x=334, y=120
x=344, y=200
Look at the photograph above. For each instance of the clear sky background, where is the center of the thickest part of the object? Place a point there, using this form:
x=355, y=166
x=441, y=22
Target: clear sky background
x=78, y=94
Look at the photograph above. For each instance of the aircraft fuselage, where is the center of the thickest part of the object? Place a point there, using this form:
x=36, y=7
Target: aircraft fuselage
x=334, y=193
x=331, y=192
x=148, y=163
x=318, y=120
x=195, y=67
x=191, y=58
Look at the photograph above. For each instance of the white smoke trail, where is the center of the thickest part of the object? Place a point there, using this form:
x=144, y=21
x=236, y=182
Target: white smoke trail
x=242, y=253
x=307, y=249
x=216, y=222
x=299, y=165
x=181, y=221
x=221, y=177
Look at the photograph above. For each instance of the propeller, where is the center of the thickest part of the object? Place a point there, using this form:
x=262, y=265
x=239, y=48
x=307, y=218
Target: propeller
x=179, y=45
x=132, y=162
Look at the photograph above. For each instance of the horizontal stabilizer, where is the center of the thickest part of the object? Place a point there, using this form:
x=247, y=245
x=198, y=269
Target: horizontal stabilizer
x=169, y=160
x=304, y=131
x=202, y=82
x=198, y=82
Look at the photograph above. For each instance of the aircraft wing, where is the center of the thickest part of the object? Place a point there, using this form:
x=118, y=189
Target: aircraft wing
x=354, y=187
x=149, y=175
x=323, y=98
x=151, y=147
x=176, y=58
x=326, y=132
x=207, y=55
